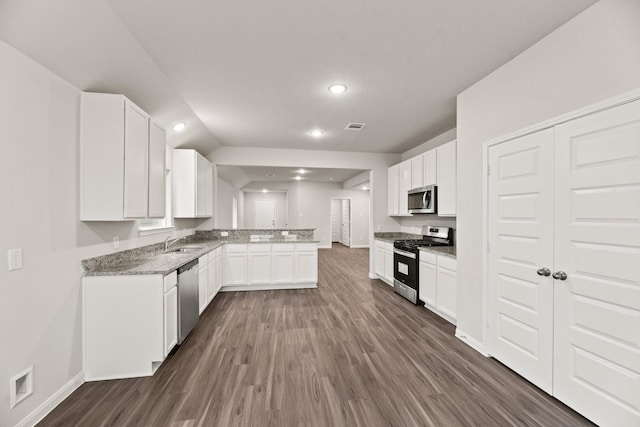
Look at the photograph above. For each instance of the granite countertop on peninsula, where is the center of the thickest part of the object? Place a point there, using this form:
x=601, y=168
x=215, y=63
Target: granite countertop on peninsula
x=391, y=236
x=152, y=259
x=449, y=251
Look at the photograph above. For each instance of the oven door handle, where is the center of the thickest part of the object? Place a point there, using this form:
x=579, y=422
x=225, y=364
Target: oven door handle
x=404, y=253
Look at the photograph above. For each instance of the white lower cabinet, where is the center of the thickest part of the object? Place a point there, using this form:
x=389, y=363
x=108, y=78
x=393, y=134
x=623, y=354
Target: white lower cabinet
x=130, y=324
x=270, y=266
x=384, y=261
x=202, y=283
x=219, y=269
x=438, y=285
x=170, y=312
x=212, y=284
x=235, y=268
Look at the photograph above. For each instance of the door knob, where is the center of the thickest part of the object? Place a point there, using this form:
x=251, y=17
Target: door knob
x=560, y=275
x=544, y=272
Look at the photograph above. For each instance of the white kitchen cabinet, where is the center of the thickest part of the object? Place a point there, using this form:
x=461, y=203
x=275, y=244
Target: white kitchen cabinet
x=114, y=141
x=212, y=276
x=438, y=284
x=203, y=278
x=236, y=266
x=259, y=263
x=219, y=269
x=392, y=190
x=157, y=168
x=192, y=185
x=283, y=263
x=384, y=261
x=306, y=263
x=379, y=258
x=447, y=287
x=429, y=168
x=446, y=171
x=417, y=171
x=404, y=185
x=170, y=312
x=125, y=325
x=428, y=279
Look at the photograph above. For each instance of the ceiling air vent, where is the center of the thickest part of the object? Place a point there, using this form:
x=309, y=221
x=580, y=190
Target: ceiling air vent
x=354, y=126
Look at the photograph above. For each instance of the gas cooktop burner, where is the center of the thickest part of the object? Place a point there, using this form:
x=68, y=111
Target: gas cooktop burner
x=436, y=236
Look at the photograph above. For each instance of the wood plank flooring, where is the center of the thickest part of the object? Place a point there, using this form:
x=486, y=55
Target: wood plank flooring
x=350, y=353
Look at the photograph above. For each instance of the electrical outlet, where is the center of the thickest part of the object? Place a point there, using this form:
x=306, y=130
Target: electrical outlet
x=285, y=233
x=116, y=242
x=15, y=259
x=379, y=227
x=224, y=233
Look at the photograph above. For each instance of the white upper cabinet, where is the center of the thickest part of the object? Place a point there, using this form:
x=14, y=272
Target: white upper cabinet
x=192, y=184
x=114, y=139
x=429, y=168
x=417, y=178
x=404, y=185
x=157, y=151
x=446, y=170
x=392, y=190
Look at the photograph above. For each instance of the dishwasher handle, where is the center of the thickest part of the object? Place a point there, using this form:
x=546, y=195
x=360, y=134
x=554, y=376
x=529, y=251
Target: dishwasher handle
x=188, y=266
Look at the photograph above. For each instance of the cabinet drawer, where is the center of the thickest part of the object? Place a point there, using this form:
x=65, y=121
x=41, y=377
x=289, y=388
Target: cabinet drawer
x=380, y=244
x=170, y=280
x=283, y=247
x=447, y=262
x=235, y=248
x=388, y=246
x=427, y=256
x=260, y=247
x=301, y=247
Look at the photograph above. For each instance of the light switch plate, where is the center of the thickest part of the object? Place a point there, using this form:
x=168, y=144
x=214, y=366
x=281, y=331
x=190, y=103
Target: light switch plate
x=15, y=259
x=116, y=241
x=224, y=233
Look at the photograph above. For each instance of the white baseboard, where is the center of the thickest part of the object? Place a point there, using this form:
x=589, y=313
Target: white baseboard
x=471, y=342
x=324, y=247
x=272, y=287
x=373, y=276
x=359, y=246
x=48, y=405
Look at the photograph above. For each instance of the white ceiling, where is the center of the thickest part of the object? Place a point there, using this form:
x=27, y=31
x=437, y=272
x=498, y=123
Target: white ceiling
x=240, y=176
x=255, y=74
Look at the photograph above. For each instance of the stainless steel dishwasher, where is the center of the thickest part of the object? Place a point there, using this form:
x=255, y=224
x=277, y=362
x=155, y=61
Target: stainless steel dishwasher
x=187, y=299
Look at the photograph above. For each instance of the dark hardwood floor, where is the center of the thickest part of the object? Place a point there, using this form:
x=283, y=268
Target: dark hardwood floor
x=350, y=353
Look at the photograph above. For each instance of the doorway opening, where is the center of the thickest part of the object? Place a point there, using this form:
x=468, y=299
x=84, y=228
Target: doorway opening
x=341, y=221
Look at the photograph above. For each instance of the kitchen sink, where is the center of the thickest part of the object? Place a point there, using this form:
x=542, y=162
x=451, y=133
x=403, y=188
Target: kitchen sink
x=186, y=249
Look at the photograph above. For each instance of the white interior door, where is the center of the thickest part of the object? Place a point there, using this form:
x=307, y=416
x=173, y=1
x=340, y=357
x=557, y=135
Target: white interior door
x=346, y=222
x=520, y=243
x=597, y=235
x=264, y=213
x=335, y=220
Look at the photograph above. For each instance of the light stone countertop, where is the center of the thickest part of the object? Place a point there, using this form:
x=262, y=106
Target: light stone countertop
x=449, y=251
x=158, y=262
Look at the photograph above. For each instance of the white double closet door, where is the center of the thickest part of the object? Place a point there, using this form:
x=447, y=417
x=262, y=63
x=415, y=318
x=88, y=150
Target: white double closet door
x=567, y=199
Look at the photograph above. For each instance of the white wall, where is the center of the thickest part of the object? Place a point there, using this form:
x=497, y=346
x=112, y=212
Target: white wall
x=223, y=206
x=310, y=207
x=280, y=200
x=40, y=305
x=593, y=57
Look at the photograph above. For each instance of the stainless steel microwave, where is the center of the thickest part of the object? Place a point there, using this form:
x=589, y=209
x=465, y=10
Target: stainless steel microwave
x=423, y=200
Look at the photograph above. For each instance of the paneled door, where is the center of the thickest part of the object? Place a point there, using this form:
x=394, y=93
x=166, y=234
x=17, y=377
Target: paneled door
x=346, y=222
x=597, y=240
x=335, y=220
x=264, y=213
x=520, y=291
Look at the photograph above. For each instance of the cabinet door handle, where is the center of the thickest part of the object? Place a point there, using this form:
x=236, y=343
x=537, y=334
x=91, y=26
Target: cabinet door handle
x=560, y=275
x=544, y=272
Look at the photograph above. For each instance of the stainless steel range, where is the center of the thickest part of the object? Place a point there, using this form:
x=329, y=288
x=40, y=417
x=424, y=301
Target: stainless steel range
x=406, y=280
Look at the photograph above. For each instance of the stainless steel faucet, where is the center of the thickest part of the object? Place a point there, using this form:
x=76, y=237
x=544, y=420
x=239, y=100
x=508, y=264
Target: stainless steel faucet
x=168, y=243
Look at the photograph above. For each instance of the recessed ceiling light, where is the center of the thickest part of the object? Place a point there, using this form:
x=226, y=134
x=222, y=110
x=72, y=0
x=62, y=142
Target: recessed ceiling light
x=365, y=188
x=337, y=88
x=331, y=178
x=302, y=171
x=264, y=190
x=316, y=133
x=297, y=178
x=178, y=127
x=270, y=175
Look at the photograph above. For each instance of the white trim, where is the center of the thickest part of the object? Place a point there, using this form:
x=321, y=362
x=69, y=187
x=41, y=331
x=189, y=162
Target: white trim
x=359, y=246
x=234, y=288
x=324, y=247
x=471, y=342
x=54, y=400
x=606, y=104
x=373, y=276
x=150, y=231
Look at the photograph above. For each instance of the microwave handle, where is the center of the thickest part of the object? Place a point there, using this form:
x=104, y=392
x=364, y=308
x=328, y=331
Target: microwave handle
x=424, y=200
